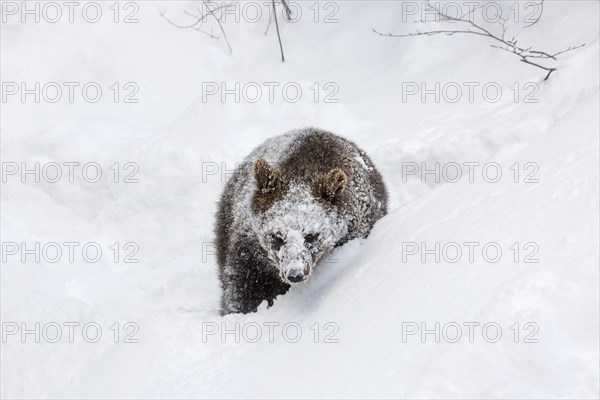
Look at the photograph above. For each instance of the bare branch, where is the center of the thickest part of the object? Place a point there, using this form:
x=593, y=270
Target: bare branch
x=200, y=19
x=217, y=12
x=509, y=45
x=288, y=11
x=278, y=34
x=427, y=33
x=162, y=14
x=220, y=26
x=268, y=26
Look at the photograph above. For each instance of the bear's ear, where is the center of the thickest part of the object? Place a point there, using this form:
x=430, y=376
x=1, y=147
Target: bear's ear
x=266, y=176
x=330, y=187
x=269, y=184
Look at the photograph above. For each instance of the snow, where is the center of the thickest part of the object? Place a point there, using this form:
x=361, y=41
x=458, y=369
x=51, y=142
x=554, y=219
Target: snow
x=367, y=298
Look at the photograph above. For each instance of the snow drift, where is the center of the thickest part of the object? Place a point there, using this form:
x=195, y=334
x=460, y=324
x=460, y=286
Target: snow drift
x=387, y=317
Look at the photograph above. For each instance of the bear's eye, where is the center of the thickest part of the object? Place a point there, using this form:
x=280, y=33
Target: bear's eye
x=311, y=237
x=276, y=241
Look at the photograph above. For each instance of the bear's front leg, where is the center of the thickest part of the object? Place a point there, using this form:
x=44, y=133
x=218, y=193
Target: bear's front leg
x=248, y=279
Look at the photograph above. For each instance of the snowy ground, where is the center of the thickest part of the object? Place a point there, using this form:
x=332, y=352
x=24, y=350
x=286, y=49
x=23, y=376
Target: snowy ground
x=363, y=313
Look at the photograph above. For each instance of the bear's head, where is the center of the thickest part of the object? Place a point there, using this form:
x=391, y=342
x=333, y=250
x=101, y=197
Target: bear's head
x=298, y=219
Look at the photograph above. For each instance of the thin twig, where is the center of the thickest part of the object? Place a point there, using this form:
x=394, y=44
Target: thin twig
x=288, y=11
x=200, y=19
x=220, y=26
x=278, y=34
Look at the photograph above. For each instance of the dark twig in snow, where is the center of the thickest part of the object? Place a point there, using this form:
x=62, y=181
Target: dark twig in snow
x=220, y=25
x=526, y=54
x=268, y=26
x=277, y=27
x=217, y=12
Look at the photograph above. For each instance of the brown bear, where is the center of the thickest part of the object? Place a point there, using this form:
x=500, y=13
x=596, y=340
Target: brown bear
x=291, y=201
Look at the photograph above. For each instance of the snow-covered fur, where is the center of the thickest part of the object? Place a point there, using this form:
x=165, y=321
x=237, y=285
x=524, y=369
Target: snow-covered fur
x=291, y=201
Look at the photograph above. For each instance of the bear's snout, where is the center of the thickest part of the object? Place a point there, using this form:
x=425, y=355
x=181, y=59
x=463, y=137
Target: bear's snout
x=295, y=278
x=296, y=272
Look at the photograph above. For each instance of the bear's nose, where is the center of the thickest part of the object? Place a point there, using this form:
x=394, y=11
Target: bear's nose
x=295, y=278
